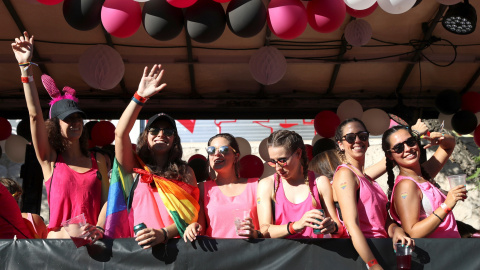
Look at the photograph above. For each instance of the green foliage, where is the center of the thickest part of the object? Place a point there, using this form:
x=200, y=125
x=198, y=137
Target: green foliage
x=475, y=178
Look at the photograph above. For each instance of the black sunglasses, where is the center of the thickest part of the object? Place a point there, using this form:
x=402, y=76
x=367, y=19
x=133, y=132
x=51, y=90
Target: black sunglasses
x=166, y=131
x=400, y=147
x=211, y=150
x=350, y=137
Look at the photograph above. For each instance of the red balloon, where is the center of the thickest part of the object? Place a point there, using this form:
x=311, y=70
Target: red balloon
x=326, y=16
x=471, y=102
x=49, y=2
x=309, y=150
x=181, y=3
x=5, y=129
x=200, y=156
x=103, y=133
x=325, y=123
x=361, y=13
x=476, y=135
x=251, y=167
x=222, y=1
x=287, y=18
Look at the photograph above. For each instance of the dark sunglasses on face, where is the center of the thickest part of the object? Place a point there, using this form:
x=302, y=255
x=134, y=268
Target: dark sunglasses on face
x=166, y=131
x=350, y=137
x=400, y=147
x=211, y=150
x=281, y=161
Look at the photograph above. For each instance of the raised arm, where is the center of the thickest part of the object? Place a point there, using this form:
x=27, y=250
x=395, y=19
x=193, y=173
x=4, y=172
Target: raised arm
x=446, y=144
x=150, y=84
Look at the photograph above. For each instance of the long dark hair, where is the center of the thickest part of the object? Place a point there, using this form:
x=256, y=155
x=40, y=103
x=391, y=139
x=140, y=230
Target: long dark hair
x=325, y=163
x=339, y=133
x=60, y=143
x=391, y=163
x=231, y=142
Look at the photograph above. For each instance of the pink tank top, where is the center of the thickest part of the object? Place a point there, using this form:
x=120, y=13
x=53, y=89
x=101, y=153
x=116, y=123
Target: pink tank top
x=371, y=207
x=220, y=209
x=446, y=229
x=71, y=193
x=286, y=211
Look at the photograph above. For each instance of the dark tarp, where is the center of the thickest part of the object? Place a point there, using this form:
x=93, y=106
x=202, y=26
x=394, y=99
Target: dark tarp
x=233, y=254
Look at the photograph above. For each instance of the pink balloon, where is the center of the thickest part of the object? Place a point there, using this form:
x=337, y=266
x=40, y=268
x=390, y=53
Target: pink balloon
x=287, y=19
x=326, y=16
x=50, y=2
x=121, y=18
x=182, y=3
x=361, y=13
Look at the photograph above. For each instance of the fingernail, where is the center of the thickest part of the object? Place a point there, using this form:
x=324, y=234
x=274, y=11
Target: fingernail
x=394, y=251
x=403, y=245
x=408, y=246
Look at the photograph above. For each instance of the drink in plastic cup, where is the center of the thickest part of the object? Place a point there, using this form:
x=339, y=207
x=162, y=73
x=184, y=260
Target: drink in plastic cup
x=73, y=227
x=318, y=231
x=456, y=180
x=240, y=216
x=404, y=256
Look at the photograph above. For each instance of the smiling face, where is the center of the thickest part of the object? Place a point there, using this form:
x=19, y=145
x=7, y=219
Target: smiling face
x=72, y=127
x=358, y=148
x=292, y=167
x=222, y=161
x=410, y=155
x=160, y=143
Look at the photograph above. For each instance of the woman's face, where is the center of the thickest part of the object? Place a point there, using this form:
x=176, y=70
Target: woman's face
x=222, y=161
x=72, y=127
x=358, y=147
x=160, y=142
x=410, y=154
x=287, y=165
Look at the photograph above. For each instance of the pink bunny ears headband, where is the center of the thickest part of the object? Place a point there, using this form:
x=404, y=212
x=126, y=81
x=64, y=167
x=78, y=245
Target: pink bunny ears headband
x=62, y=105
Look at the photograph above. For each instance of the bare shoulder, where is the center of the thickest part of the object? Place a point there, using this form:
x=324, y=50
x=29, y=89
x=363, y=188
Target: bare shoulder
x=266, y=184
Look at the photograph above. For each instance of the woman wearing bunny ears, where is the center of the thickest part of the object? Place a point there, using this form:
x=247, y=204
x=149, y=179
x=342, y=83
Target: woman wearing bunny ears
x=76, y=180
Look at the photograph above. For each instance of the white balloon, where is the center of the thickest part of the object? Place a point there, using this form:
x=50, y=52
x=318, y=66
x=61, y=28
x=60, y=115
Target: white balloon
x=101, y=67
x=396, y=6
x=447, y=119
x=263, y=150
x=348, y=109
x=376, y=121
x=449, y=2
x=267, y=170
x=317, y=137
x=268, y=65
x=360, y=4
x=244, y=146
x=15, y=147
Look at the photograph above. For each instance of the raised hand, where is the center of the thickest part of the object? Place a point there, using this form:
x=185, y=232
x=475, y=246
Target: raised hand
x=150, y=84
x=23, y=48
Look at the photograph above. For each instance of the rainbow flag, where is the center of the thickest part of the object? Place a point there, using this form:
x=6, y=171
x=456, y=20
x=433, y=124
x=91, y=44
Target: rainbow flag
x=117, y=225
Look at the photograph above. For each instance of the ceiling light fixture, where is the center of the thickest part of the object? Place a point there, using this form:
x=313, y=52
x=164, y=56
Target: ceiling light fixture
x=460, y=19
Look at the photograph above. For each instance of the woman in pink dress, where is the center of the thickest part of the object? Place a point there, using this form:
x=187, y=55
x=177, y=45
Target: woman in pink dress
x=225, y=195
x=416, y=203
x=289, y=201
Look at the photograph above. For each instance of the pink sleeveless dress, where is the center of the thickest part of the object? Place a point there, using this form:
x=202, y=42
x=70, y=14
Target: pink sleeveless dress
x=371, y=207
x=71, y=193
x=286, y=211
x=220, y=209
x=11, y=221
x=434, y=197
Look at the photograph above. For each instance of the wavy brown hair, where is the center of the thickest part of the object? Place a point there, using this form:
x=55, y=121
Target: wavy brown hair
x=325, y=163
x=60, y=143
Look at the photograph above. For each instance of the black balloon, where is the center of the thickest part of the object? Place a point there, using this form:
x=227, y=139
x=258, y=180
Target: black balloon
x=23, y=129
x=322, y=145
x=83, y=15
x=199, y=167
x=205, y=21
x=448, y=102
x=464, y=122
x=246, y=18
x=161, y=20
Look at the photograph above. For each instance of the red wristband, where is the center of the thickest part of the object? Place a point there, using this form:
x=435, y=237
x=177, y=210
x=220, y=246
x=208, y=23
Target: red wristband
x=290, y=228
x=27, y=79
x=372, y=263
x=445, y=208
x=139, y=98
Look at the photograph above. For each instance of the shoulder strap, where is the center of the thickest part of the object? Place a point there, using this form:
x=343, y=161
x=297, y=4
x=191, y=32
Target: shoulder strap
x=132, y=192
x=99, y=174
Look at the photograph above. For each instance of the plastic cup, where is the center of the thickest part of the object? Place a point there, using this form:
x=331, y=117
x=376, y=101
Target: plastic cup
x=456, y=180
x=73, y=227
x=318, y=231
x=240, y=216
x=404, y=256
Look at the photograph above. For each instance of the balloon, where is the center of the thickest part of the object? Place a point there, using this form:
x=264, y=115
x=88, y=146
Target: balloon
x=326, y=16
x=82, y=14
x=15, y=147
x=246, y=18
x=349, y=109
x=5, y=129
x=267, y=170
x=361, y=13
x=205, y=21
x=358, y=32
x=244, y=146
x=447, y=120
x=325, y=123
x=360, y=4
x=309, y=150
x=222, y=1
x=50, y=3
x=263, y=150
x=448, y=101
x=200, y=168
x=23, y=129
x=315, y=139
x=103, y=133
x=200, y=156
x=101, y=67
x=396, y=6
x=88, y=128
x=181, y=3
x=376, y=121
x=476, y=136
x=464, y=122
x=121, y=18
x=449, y=2
x=251, y=166
x=161, y=20
x=322, y=145
x=471, y=102
x=268, y=65
x=287, y=19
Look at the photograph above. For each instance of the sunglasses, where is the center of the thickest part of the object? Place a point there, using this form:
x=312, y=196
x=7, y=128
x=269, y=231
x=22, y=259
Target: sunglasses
x=400, y=147
x=281, y=161
x=166, y=131
x=211, y=150
x=350, y=137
